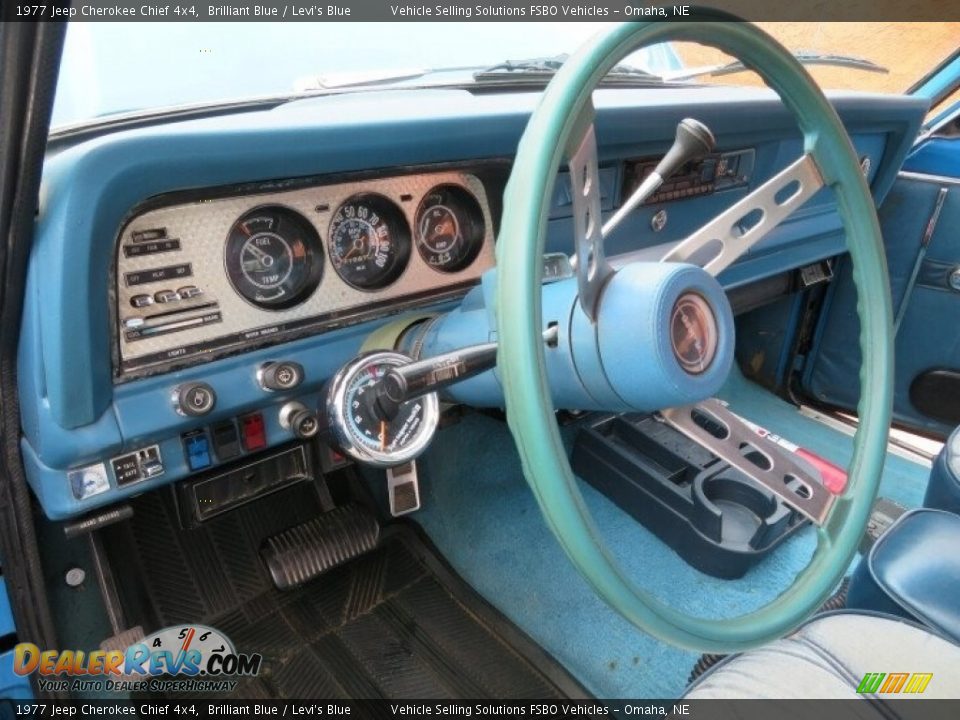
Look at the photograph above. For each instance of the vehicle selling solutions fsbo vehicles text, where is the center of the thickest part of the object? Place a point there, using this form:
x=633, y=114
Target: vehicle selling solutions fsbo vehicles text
x=534, y=10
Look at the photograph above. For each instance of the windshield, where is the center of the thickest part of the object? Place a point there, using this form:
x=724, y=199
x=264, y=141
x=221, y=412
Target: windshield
x=112, y=67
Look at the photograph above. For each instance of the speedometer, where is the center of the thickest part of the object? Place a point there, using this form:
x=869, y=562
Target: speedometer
x=274, y=257
x=369, y=241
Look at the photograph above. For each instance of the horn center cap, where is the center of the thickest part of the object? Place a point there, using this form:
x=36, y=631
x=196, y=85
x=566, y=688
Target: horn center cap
x=693, y=333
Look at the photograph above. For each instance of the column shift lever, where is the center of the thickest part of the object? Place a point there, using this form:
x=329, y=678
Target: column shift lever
x=692, y=142
x=425, y=376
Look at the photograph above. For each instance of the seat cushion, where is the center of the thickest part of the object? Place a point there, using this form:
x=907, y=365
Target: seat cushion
x=914, y=570
x=828, y=657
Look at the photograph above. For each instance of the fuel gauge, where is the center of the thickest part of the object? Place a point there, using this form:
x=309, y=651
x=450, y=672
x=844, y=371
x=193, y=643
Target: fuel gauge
x=273, y=257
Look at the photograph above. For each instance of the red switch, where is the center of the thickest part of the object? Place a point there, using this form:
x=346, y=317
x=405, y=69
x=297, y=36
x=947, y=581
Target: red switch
x=252, y=432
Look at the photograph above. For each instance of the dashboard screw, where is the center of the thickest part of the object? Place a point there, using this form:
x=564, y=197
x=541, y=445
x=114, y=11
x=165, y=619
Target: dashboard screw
x=75, y=577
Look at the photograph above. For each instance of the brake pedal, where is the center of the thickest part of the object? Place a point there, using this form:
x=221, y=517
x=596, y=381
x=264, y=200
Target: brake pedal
x=303, y=552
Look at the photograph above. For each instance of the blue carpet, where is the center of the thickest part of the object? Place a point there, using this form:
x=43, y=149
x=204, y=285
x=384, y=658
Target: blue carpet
x=479, y=511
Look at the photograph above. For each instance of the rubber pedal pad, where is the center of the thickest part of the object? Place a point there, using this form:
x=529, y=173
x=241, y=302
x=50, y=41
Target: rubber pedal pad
x=304, y=552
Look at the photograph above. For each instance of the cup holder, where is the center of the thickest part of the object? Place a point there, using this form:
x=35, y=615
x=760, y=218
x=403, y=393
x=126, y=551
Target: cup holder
x=743, y=507
x=715, y=517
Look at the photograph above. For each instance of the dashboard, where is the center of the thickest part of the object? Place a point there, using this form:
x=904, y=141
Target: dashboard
x=194, y=285
x=194, y=279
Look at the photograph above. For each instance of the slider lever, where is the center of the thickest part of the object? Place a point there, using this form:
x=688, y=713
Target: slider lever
x=422, y=377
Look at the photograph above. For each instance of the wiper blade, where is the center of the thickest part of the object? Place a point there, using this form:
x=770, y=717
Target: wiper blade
x=369, y=78
x=335, y=81
x=804, y=57
x=534, y=70
x=546, y=67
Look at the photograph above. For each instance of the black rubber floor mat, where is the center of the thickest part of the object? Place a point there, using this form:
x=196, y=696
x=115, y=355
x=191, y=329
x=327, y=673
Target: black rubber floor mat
x=395, y=623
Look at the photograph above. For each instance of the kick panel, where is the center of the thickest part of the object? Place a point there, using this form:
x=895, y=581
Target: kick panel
x=197, y=277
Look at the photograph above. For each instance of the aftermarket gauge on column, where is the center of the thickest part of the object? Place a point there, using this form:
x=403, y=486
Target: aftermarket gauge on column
x=362, y=432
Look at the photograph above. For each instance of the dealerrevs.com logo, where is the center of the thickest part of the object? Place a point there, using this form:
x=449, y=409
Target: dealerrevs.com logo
x=180, y=658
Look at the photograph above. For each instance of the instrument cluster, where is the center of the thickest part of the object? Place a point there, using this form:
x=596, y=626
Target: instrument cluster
x=212, y=274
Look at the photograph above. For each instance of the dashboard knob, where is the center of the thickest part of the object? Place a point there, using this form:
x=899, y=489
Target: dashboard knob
x=301, y=421
x=194, y=399
x=278, y=376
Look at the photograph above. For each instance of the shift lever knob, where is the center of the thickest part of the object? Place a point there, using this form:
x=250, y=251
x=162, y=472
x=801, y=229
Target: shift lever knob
x=693, y=141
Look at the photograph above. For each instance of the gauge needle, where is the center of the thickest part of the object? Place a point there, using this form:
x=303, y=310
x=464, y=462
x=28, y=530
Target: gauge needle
x=383, y=435
x=256, y=252
x=357, y=245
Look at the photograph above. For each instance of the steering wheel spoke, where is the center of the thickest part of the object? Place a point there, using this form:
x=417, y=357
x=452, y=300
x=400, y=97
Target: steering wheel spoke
x=592, y=267
x=716, y=245
x=712, y=426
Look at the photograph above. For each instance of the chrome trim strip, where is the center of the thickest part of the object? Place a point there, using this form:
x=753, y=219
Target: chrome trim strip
x=918, y=261
x=924, y=177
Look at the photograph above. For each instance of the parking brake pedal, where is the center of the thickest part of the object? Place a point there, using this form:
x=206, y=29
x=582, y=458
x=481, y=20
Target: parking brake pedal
x=303, y=552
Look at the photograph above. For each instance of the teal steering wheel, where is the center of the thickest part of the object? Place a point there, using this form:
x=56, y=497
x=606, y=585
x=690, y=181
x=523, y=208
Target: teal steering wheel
x=556, y=123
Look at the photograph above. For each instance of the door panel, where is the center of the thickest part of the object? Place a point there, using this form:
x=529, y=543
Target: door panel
x=936, y=156
x=920, y=219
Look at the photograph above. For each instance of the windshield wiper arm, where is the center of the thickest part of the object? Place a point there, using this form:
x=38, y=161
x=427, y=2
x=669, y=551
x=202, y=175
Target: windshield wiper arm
x=369, y=78
x=533, y=70
x=546, y=67
x=804, y=57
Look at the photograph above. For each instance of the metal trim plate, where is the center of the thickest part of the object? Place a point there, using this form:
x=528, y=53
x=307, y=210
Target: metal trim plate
x=785, y=477
x=202, y=227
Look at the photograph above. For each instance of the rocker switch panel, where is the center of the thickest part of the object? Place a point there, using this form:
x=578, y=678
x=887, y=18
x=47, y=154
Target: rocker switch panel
x=139, y=465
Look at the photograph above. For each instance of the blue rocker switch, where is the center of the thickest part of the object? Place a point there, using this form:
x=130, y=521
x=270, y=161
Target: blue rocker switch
x=197, y=447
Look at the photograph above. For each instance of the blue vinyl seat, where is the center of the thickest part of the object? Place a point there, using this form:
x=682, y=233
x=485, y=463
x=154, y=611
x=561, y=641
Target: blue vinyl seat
x=902, y=617
x=913, y=571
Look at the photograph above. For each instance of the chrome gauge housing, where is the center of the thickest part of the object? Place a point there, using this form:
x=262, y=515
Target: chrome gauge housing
x=355, y=426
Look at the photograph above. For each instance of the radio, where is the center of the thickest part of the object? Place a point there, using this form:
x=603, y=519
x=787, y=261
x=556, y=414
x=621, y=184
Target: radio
x=713, y=173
